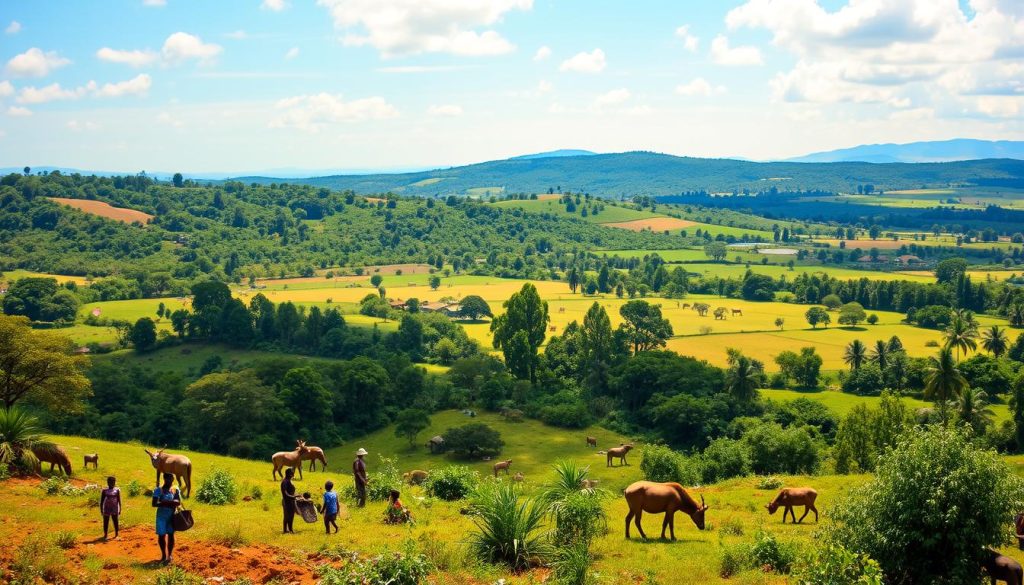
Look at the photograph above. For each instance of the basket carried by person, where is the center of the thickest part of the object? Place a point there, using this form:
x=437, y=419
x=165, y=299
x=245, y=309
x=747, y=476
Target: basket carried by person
x=307, y=509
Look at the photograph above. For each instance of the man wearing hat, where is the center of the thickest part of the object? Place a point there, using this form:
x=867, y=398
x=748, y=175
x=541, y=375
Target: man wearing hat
x=359, y=473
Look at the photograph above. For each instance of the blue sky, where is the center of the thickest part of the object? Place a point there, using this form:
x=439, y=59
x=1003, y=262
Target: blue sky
x=252, y=85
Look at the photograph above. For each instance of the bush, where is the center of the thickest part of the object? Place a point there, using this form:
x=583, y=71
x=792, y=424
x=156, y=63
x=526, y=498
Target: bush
x=777, y=450
x=175, y=575
x=661, y=463
x=571, y=415
x=230, y=536
x=765, y=552
x=915, y=506
x=65, y=539
x=731, y=527
x=58, y=486
x=725, y=458
x=768, y=482
x=452, y=483
x=579, y=518
x=5, y=472
x=473, y=440
x=866, y=380
x=394, y=568
x=217, y=488
x=835, y=565
x=572, y=564
x=133, y=488
x=508, y=527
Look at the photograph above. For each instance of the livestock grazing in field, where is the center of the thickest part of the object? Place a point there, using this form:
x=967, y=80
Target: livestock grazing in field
x=314, y=454
x=54, y=455
x=553, y=328
x=93, y=458
x=518, y=476
x=591, y=441
x=789, y=497
x=415, y=477
x=702, y=309
x=178, y=465
x=292, y=459
x=662, y=498
x=737, y=312
x=502, y=465
x=618, y=453
x=686, y=305
x=561, y=309
x=1002, y=568
x=720, y=313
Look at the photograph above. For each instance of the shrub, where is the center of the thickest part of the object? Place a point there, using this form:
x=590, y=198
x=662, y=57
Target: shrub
x=725, y=458
x=58, y=486
x=452, y=483
x=65, y=539
x=731, y=527
x=473, y=440
x=579, y=517
x=393, y=568
x=661, y=463
x=777, y=450
x=835, y=565
x=217, y=488
x=175, y=575
x=765, y=552
x=768, y=482
x=230, y=536
x=37, y=559
x=5, y=472
x=508, y=527
x=133, y=488
x=572, y=564
x=920, y=491
x=256, y=492
x=866, y=380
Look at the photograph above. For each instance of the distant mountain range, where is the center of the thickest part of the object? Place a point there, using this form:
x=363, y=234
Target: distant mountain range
x=917, y=152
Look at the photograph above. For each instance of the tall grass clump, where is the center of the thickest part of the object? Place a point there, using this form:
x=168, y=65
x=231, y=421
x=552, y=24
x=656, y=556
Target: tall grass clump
x=509, y=527
x=451, y=483
x=217, y=488
x=406, y=567
x=832, y=564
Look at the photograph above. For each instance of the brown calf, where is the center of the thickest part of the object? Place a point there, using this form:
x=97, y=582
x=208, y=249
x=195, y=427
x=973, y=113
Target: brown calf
x=737, y=312
x=591, y=441
x=789, y=497
x=1002, y=568
x=620, y=453
x=93, y=458
x=502, y=465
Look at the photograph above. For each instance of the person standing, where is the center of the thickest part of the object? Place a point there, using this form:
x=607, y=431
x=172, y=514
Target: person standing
x=330, y=508
x=288, y=500
x=110, y=506
x=166, y=499
x=359, y=473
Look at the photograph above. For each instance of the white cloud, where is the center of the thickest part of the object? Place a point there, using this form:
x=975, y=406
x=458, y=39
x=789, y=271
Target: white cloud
x=292, y=53
x=13, y=28
x=274, y=5
x=612, y=98
x=6, y=89
x=446, y=110
x=181, y=47
x=138, y=85
x=699, y=87
x=542, y=53
x=409, y=27
x=76, y=126
x=132, y=58
x=168, y=119
x=723, y=54
x=544, y=86
x=18, y=112
x=53, y=92
x=155, y=3
x=35, y=63
x=592, y=62
x=237, y=35
x=689, y=41
x=312, y=112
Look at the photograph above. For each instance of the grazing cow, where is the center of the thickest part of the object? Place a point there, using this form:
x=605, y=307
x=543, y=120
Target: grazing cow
x=737, y=312
x=93, y=458
x=314, y=454
x=561, y=309
x=620, y=453
x=591, y=441
x=54, y=455
x=553, y=328
x=415, y=477
x=1002, y=568
x=789, y=497
x=177, y=465
x=686, y=305
x=662, y=498
x=720, y=313
x=292, y=459
x=502, y=465
x=518, y=476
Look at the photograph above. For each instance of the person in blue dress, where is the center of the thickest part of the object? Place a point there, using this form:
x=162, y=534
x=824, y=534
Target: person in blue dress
x=166, y=499
x=330, y=508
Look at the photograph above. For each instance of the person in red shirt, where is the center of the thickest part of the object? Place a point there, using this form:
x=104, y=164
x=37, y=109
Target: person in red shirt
x=359, y=473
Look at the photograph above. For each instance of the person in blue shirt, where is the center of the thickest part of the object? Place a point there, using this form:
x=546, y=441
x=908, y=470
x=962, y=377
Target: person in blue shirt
x=166, y=499
x=330, y=508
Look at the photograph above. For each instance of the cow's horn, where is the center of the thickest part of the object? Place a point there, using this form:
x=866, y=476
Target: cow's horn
x=703, y=505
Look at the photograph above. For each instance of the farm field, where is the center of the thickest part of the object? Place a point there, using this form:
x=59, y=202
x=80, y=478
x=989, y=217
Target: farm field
x=104, y=209
x=10, y=276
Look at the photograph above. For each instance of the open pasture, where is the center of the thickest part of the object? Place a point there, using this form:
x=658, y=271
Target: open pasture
x=104, y=209
x=9, y=276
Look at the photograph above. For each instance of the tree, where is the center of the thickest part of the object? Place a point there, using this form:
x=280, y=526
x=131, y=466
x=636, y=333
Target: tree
x=779, y=322
x=573, y=278
x=303, y=392
x=643, y=326
x=994, y=340
x=1017, y=406
x=973, y=410
x=943, y=381
x=434, y=281
x=410, y=423
x=473, y=307
x=757, y=287
x=961, y=332
x=143, y=334
x=855, y=354
x=851, y=314
x=597, y=342
x=744, y=377
x=178, y=180
x=376, y=279
x=831, y=302
x=179, y=322
x=38, y=367
x=473, y=440
x=880, y=354
x=409, y=337
x=950, y=270
x=816, y=315
x=40, y=299
x=717, y=251
x=526, y=314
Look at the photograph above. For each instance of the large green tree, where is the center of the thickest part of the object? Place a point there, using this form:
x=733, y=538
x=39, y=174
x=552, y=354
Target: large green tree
x=643, y=326
x=39, y=367
x=597, y=341
x=520, y=331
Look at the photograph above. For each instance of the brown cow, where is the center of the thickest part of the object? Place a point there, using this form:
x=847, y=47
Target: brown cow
x=662, y=498
x=93, y=458
x=789, y=497
x=178, y=465
x=54, y=455
x=415, y=477
x=619, y=452
x=502, y=465
x=737, y=312
x=591, y=441
x=314, y=454
x=1002, y=568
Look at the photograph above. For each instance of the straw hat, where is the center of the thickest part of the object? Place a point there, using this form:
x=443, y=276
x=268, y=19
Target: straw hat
x=361, y=451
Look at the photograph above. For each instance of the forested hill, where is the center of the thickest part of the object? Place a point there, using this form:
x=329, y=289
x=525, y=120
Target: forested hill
x=647, y=173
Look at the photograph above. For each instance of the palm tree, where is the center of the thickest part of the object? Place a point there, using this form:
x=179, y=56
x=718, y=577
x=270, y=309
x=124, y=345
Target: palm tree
x=994, y=340
x=855, y=354
x=743, y=378
x=973, y=409
x=19, y=434
x=1015, y=313
x=961, y=332
x=880, y=354
x=943, y=380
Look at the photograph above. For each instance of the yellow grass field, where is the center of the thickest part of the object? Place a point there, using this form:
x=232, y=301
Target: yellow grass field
x=11, y=275
x=106, y=210
x=656, y=224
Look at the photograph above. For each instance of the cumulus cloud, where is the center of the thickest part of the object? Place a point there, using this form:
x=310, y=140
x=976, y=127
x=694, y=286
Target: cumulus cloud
x=689, y=41
x=723, y=54
x=592, y=62
x=292, y=53
x=18, y=112
x=138, y=85
x=13, y=28
x=542, y=53
x=274, y=5
x=132, y=58
x=76, y=126
x=237, y=35
x=612, y=98
x=699, y=87
x=35, y=63
x=313, y=112
x=181, y=47
x=446, y=110
x=409, y=27
x=6, y=89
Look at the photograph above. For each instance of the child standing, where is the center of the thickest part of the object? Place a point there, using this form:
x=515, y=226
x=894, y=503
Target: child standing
x=110, y=506
x=330, y=508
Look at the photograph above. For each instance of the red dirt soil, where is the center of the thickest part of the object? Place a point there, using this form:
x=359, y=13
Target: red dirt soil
x=105, y=210
x=656, y=224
